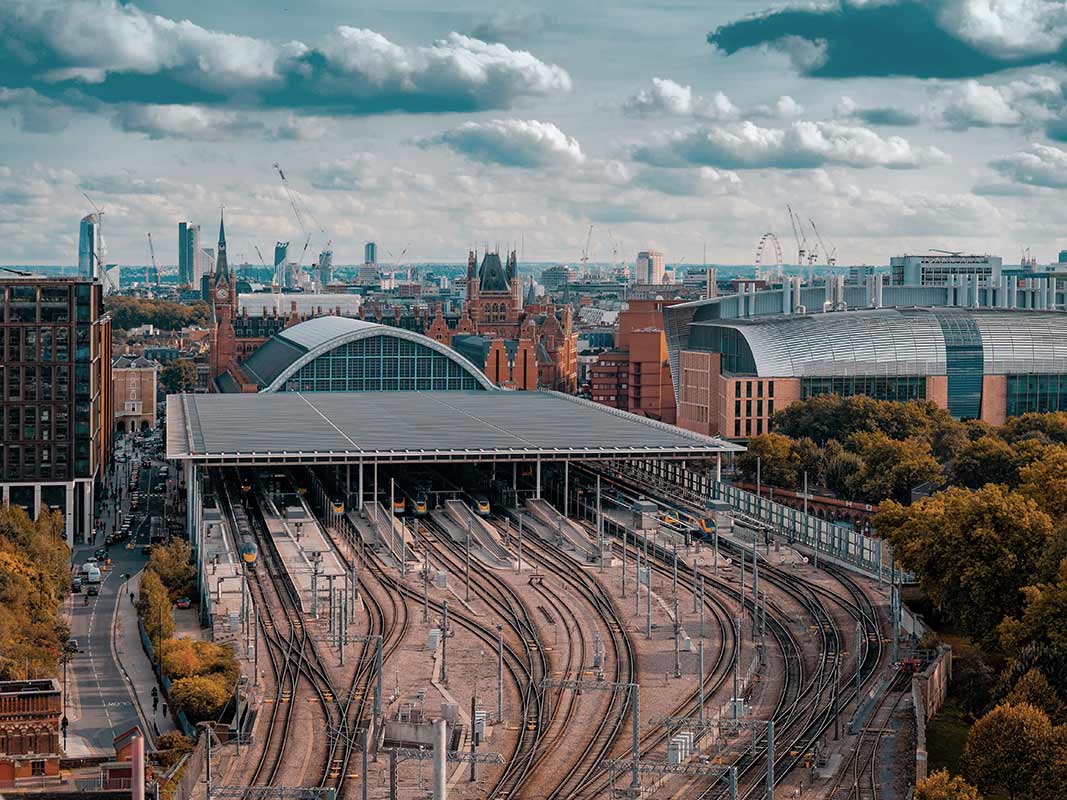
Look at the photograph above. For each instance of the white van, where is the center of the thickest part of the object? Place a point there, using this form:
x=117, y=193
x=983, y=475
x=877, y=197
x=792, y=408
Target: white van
x=92, y=575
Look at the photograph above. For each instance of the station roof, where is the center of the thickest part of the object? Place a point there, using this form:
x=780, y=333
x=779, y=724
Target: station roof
x=346, y=427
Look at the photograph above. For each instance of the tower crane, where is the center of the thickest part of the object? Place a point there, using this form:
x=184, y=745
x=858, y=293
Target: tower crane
x=105, y=279
x=152, y=252
x=802, y=246
x=585, y=253
x=829, y=253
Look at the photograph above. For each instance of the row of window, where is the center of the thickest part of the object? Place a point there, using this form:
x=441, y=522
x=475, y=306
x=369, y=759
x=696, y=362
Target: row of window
x=45, y=423
x=880, y=387
x=48, y=304
x=1040, y=393
x=749, y=388
x=750, y=427
x=47, y=384
x=23, y=462
x=47, y=344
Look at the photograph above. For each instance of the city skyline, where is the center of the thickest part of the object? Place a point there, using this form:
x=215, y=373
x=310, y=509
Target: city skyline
x=671, y=129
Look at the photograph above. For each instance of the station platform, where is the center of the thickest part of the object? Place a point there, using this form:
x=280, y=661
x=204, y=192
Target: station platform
x=456, y=519
x=223, y=578
x=305, y=552
x=567, y=533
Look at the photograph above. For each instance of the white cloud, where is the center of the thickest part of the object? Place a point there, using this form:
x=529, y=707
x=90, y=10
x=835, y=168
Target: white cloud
x=510, y=25
x=697, y=182
x=204, y=123
x=667, y=98
x=1007, y=28
x=973, y=104
x=1039, y=165
x=785, y=107
x=803, y=145
x=363, y=172
x=524, y=143
x=95, y=43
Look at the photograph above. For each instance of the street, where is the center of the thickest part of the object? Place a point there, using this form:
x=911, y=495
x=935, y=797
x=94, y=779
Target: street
x=100, y=702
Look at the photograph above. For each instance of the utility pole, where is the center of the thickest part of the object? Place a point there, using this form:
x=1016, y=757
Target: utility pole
x=499, y=676
x=467, y=576
x=444, y=643
x=677, y=641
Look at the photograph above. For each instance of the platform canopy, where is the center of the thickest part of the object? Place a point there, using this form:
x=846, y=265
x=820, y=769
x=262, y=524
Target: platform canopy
x=350, y=427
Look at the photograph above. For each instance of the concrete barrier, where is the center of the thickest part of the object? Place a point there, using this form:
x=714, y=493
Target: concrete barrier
x=929, y=689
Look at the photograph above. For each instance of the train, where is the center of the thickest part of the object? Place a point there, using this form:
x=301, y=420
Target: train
x=337, y=506
x=399, y=505
x=480, y=505
x=419, y=504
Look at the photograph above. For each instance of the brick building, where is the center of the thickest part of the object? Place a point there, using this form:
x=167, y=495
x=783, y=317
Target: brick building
x=135, y=393
x=30, y=715
x=635, y=374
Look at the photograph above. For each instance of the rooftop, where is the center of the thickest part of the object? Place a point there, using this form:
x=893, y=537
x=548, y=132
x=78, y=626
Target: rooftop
x=332, y=427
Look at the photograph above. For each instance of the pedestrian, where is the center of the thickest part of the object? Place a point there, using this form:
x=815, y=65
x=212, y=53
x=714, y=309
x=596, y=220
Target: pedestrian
x=131, y=598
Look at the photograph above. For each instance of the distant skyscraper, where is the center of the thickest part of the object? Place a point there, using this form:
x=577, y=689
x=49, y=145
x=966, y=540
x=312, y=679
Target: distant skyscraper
x=281, y=255
x=649, y=267
x=91, y=250
x=190, y=270
x=370, y=253
x=326, y=267
x=1063, y=257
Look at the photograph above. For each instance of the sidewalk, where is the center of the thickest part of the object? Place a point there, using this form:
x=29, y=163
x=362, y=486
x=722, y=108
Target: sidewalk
x=137, y=669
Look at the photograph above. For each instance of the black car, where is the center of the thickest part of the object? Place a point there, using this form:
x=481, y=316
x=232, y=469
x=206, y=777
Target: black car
x=93, y=590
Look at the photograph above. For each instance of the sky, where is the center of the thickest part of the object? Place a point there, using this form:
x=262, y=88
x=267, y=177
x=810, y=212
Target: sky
x=433, y=128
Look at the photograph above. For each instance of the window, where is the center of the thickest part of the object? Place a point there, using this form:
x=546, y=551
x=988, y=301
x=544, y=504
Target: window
x=737, y=408
x=737, y=427
x=759, y=388
x=748, y=408
x=37, y=768
x=770, y=388
x=748, y=388
x=737, y=388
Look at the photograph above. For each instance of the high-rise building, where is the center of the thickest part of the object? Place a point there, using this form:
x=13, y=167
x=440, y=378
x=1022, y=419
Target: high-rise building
x=326, y=268
x=92, y=253
x=940, y=269
x=556, y=278
x=281, y=255
x=56, y=412
x=370, y=253
x=1062, y=258
x=649, y=267
x=189, y=254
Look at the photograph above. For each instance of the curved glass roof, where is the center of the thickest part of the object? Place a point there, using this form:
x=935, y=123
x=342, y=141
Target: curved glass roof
x=904, y=341
x=286, y=352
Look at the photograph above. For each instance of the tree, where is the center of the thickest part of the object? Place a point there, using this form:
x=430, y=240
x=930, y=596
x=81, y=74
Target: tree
x=942, y=786
x=777, y=460
x=1034, y=689
x=1009, y=750
x=201, y=697
x=154, y=604
x=171, y=746
x=132, y=312
x=178, y=376
x=1044, y=618
x=1045, y=480
x=173, y=564
x=1051, y=427
x=972, y=550
x=186, y=658
x=892, y=467
x=989, y=459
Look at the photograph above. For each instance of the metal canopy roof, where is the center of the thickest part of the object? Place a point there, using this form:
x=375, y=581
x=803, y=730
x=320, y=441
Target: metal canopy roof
x=340, y=427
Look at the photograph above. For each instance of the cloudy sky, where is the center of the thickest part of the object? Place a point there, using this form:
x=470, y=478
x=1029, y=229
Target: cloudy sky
x=894, y=124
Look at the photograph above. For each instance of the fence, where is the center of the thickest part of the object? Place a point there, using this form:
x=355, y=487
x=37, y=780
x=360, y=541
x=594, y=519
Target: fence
x=928, y=691
x=835, y=543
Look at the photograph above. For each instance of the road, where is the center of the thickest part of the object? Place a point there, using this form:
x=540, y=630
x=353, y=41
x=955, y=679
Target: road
x=100, y=701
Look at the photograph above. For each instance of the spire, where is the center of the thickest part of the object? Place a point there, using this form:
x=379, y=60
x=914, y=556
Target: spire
x=220, y=262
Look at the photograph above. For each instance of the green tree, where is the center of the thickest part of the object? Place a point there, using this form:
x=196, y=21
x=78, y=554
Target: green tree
x=972, y=550
x=172, y=562
x=891, y=467
x=1051, y=427
x=1034, y=689
x=989, y=459
x=201, y=697
x=1044, y=617
x=132, y=312
x=777, y=460
x=186, y=658
x=1009, y=750
x=942, y=786
x=178, y=376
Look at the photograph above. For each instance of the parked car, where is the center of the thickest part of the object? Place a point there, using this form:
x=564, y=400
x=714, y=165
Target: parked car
x=184, y=602
x=93, y=590
x=76, y=584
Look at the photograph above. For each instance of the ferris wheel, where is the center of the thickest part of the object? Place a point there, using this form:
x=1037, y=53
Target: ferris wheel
x=761, y=254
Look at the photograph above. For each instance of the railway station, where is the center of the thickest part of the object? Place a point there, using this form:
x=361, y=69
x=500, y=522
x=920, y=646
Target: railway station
x=545, y=596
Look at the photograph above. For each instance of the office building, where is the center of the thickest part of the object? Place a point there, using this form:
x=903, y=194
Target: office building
x=941, y=269
x=370, y=253
x=325, y=268
x=981, y=351
x=1062, y=259
x=555, y=279
x=281, y=272
x=649, y=268
x=189, y=255
x=56, y=412
x=92, y=252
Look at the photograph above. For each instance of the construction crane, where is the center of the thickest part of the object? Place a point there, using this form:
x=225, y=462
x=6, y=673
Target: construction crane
x=802, y=246
x=947, y=252
x=296, y=212
x=152, y=252
x=829, y=253
x=104, y=277
x=585, y=253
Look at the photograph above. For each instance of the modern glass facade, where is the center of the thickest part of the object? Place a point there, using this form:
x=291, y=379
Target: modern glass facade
x=381, y=363
x=736, y=354
x=1041, y=393
x=964, y=363
x=880, y=387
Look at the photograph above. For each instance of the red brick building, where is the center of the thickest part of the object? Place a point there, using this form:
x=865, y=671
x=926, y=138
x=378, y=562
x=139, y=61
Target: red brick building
x=30, y=714
x=635, y=376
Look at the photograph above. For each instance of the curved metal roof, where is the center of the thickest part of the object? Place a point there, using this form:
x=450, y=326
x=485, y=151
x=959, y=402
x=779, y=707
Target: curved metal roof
x=906, y=341
x=284, y=354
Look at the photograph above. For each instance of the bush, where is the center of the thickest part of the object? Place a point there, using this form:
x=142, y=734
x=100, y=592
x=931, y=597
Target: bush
x=171, y=746
x=201, y=697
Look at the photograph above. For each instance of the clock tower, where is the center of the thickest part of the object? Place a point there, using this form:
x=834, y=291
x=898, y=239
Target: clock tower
x=223, y=311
